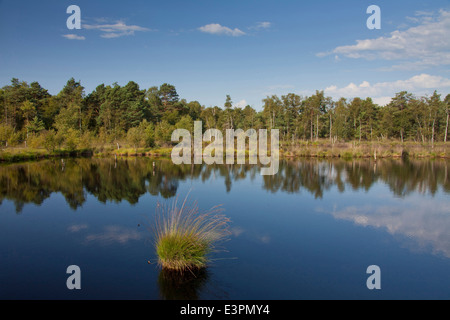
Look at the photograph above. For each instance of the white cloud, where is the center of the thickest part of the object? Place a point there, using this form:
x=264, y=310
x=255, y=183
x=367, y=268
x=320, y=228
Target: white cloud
x=382, y=101
x=280, y=86
x=115, y=30
x=215, y=28
x=261, y=25
x=420, y=84
x=424, y=13
x=264, y=25
x=424, y=45
x=73, y=37
x=241, y=104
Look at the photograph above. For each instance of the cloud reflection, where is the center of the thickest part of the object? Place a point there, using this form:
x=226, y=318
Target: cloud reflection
x=114, y=234
x=425, y=221
x=77, y=227
x=251, y=235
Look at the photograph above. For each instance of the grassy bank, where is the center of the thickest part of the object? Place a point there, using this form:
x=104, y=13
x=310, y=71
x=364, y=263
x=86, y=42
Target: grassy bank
x=299, y=149
x=325, y=149
x=320, y=149
x=30, y=154
x=148, y=152
x=356, y=149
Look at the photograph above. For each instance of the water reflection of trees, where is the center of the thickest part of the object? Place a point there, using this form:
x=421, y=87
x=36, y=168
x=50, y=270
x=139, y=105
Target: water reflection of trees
x=129, y=179
x=402, y=177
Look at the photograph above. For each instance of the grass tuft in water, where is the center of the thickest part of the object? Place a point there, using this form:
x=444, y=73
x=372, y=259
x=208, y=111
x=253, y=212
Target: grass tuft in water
x=185, y=237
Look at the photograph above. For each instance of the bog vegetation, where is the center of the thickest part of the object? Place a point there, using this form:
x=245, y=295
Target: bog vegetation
x=185, y=237
x=128, y=119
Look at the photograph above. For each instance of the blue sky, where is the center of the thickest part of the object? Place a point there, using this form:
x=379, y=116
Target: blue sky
x=248, y=48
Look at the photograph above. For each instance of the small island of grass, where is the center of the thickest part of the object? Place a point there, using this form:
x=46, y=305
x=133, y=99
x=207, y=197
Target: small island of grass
x=185, y=237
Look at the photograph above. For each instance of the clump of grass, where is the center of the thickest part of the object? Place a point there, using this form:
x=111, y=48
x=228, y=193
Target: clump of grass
x=185, y=237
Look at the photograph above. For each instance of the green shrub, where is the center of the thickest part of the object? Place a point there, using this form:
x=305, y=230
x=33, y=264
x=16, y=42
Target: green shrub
x=35, y=141
x=347, y=155
x=72, y=139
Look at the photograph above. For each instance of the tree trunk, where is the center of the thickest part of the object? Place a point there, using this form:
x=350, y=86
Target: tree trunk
x=317, y=128
x=331, y=128
x=6, y=114
x=432, y=134
x=231, y=119
x=446, y=129
x=273, y=121
x=420, y=130
x=359, y=130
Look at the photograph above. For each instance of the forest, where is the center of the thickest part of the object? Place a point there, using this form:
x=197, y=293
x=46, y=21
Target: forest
x=115, y=117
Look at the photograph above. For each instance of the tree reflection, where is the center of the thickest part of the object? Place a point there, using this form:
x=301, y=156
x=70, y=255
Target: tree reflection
x=129, y=179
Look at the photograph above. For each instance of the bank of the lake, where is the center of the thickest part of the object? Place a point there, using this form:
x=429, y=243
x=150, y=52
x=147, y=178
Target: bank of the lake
x=299, y=149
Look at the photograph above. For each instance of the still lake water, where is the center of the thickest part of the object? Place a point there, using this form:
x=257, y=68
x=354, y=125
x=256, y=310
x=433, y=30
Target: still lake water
x=310, y=232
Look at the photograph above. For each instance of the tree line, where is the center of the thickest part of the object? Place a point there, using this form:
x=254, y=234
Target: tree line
x=111, y=114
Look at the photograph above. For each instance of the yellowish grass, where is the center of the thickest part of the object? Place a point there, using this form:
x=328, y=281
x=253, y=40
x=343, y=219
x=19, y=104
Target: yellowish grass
x=185, y=236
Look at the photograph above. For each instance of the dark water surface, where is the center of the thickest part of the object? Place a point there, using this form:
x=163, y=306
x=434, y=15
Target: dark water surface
x=310, y=232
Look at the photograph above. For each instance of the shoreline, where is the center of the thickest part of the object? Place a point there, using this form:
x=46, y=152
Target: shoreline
x=302, y=150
